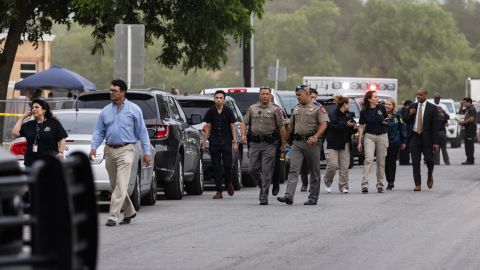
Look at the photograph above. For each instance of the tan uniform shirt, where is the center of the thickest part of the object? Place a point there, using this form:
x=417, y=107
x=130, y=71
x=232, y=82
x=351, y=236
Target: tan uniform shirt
x=307, y=118
x=265, y=119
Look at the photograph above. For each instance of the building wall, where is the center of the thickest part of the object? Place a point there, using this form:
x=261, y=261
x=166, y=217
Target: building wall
x=29, y=54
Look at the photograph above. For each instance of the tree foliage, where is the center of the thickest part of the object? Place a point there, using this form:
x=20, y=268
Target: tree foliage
x=401, y=39
x=194, y=33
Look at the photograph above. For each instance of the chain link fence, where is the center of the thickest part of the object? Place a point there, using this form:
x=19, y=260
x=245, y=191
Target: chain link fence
x=15, y=108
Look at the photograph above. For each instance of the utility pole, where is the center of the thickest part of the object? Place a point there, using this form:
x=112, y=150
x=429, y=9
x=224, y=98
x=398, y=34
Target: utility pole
x=248, y=59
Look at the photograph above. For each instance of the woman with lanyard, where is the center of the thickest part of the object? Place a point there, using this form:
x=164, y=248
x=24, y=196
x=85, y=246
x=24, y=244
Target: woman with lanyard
x=44, y=133
x=397, y=139
x=374, y=124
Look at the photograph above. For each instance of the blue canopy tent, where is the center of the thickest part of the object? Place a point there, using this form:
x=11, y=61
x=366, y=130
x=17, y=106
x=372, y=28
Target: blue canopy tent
x=56, y=77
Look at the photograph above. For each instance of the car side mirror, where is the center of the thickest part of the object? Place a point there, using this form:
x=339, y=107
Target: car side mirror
x=195, y=119
x=151, y=132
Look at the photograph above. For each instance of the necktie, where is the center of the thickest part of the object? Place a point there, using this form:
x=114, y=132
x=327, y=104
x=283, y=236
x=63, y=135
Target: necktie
x=420, y=119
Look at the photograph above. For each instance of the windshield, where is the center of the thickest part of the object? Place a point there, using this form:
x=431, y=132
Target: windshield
x=289, y=101
x=449, y=106
x=78, y=123
x=196, y=106
x=354, y=108
x=244, y=100
x=99, y=101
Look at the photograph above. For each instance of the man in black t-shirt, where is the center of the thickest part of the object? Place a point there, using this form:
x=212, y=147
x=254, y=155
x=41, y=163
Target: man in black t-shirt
x=222, y=137
x=470, y=125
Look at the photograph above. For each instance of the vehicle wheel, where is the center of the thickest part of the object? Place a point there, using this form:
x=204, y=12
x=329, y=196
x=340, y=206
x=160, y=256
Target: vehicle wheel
x=151, y=197
x=237, y=175
x=174, y=189
x=195, y=187
x=456, y=143
x=351, y=162
x=135, y=198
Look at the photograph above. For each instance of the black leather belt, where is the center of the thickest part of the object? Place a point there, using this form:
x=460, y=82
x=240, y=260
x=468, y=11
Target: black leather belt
x=115, y=146
x=268, y=138
x=298, y=137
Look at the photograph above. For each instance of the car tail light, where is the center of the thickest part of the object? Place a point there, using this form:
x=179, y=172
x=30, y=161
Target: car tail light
x=204, y=129
x=161, y=131
x=237, y=90
x=18, y=149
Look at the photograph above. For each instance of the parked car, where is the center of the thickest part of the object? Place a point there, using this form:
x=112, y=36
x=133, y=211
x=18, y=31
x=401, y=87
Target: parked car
x=177, y=162
x=245, y=97
x=199, y=105
x=289, y=100
x=79, y=125
x=454, y=135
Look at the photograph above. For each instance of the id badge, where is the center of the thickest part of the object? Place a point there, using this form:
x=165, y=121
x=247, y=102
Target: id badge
x=35, y=148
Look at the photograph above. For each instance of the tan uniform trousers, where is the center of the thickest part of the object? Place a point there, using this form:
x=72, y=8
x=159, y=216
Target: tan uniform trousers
x=119, y=166
x=337, y=159
x=379, y=144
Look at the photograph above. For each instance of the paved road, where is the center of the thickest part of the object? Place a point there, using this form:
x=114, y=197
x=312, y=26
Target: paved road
x=400, y=229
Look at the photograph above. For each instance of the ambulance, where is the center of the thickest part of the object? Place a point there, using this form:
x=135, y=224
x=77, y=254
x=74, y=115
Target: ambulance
x=354, y=87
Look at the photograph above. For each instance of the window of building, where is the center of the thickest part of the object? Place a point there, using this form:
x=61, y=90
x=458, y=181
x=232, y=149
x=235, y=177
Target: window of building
x=27, y=69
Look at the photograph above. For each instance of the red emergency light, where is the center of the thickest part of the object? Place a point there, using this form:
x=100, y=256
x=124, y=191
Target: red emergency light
x=372, y=87
x=237, y=90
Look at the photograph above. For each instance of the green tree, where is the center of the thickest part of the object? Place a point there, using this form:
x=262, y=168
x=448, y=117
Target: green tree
x=99, y=68
x=465, y=13
x=395, y=38
x=194, y=33
x=302, y=40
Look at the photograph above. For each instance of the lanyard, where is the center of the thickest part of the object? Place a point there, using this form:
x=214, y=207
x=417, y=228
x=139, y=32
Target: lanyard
x=38, y=128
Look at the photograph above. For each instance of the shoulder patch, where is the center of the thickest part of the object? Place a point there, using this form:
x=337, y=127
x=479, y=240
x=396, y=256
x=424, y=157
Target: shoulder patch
x=322, y=109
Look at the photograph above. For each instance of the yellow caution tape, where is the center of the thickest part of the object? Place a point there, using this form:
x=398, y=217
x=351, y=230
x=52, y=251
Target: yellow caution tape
x=11, y=114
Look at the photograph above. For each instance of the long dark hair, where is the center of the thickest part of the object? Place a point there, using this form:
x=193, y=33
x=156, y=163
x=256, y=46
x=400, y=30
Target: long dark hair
x=45, y=106
x=366, y=102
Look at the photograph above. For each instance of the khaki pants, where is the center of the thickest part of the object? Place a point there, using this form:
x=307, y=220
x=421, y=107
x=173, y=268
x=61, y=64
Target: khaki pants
x=337, y=159
x=311, y=154
x=119, y=166
x=379, y=144
x=262, y=157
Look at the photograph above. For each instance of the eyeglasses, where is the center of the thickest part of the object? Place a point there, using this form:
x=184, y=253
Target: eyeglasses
x=114, y=90
x=265, y=87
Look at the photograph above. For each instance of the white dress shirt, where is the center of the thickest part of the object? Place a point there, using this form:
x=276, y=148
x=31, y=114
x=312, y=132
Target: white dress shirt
x=424, y=104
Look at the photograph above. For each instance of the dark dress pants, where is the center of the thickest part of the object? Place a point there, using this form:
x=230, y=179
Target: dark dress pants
x=470, y=148
x=404, y=156
x=221, y=155
x=417, y=148
x=391, y=163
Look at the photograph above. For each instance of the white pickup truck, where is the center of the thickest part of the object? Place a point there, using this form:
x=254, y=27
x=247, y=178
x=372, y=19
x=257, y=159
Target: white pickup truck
x=453, y=128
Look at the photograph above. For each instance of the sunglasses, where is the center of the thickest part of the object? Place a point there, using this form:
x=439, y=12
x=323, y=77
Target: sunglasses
x=300, y=87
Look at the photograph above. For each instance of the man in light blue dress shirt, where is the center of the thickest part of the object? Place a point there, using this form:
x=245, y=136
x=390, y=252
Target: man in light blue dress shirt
x=121, y=125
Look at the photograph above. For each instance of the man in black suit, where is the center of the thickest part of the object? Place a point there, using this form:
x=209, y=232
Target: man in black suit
x=423, y=122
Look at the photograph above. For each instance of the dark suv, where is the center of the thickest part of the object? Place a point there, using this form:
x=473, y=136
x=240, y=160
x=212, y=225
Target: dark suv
x=200, y=104
x=177, y=163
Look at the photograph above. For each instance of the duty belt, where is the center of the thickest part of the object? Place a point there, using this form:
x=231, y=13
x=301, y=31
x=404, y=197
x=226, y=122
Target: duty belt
x=268, y=138
x=298, y=137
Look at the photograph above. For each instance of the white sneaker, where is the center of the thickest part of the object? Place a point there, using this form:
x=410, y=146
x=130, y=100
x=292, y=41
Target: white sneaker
x=328, y=189
x=345, y=191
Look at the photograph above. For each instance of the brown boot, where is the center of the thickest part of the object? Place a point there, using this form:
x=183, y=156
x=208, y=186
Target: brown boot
x=218, y=195
x=417, y=188
x=430, y=182
x=230, y=189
